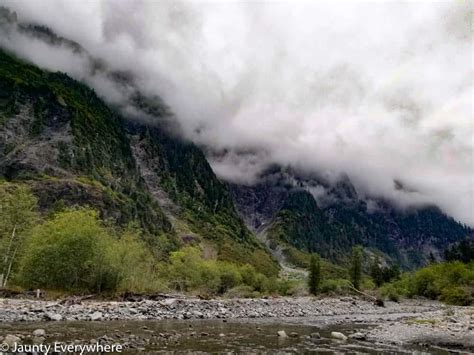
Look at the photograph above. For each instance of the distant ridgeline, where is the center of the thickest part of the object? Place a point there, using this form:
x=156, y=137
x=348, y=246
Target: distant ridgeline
x=282, y=209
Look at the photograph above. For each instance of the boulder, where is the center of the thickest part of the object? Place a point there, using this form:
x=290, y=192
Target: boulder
x=39, y=333
x=282, y=334
x=339, y=336
x=96, y=316
x=358, y=336
x=53, y=316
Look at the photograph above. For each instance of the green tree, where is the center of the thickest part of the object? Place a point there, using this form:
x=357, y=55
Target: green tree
x=72, y=251
x=376, y=272
x=133, y=264
x=356, y=266
x=18, y=214
x=314, y=274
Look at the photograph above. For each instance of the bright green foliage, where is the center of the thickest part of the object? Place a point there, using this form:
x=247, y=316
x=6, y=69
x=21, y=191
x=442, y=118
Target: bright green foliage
x=74, y=252
x=314, y=274
x=451, y=282
x=189, y=271
x=18, y=214
x=335, y=286
x=356, y=266
x=135, y=266
x=70, y=252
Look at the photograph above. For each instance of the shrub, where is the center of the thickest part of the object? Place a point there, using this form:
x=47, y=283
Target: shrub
x=390, y=292
x=69, y=252
x=134, y=265
x=229, y=277
x=335, y=286
x=242, y=291
x=456, y=296
x=449, y=282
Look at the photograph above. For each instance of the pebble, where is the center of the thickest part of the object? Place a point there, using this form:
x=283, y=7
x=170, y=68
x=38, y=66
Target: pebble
x=96, y=316
x=39, y=333
x=282, y=334
x=339, y=336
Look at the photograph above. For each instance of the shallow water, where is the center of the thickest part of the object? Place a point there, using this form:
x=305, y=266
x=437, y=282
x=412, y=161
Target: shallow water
x=209, y=336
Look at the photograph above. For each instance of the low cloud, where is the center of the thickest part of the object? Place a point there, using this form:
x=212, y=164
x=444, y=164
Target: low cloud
x=381, y=92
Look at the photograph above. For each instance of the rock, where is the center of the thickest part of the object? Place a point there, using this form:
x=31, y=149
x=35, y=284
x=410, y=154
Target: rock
x=358, y=336
x=282, y=334
x=339, y=336
x=222, y=335
x=38, y=340
x=198, y=314
x=53, y=316
x=11, y=340
x=315, y=336
x=204, y=334
x=96, y=316
x=294, y=334
x=39, y=333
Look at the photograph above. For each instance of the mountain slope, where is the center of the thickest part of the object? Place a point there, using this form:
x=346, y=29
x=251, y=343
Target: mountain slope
x=61, y=139
x=299, y=215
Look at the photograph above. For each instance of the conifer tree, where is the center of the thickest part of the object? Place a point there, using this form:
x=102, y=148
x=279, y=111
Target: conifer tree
x=356, y=266
x=314, y=280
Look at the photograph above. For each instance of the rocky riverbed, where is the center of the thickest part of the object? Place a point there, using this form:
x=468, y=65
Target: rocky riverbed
x=301, y=324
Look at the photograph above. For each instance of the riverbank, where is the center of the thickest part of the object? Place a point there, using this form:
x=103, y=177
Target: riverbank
x=410, y=322
x=13, y=310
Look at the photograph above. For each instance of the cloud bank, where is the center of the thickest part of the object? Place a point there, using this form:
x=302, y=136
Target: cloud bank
x=380, y=91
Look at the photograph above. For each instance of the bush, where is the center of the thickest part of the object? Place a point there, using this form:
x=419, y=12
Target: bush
x=390, y=292
x=188, y=271
x=335, y=286
x=242, y=291
x=70, y=252
x=449, y=282
x=134, y=265
x=229, y=277
x=457, y=296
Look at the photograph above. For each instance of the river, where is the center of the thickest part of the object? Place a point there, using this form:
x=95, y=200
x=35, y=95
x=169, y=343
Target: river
x=211, y=336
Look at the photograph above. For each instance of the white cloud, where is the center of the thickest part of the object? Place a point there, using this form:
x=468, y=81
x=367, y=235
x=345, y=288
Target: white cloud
x=378, y=90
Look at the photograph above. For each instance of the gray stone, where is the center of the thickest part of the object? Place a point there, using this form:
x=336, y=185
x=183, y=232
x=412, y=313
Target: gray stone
x=96, y=316
x=358, y=336
x=38, y=340
x=53, y=316
x=11, y=340
x=282, y=334
x=339, y=336
x=39, y=333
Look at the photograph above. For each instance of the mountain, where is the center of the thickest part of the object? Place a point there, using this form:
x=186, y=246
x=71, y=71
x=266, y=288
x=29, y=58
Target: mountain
x=297, y=215
x=63, y=141
x=129, y=162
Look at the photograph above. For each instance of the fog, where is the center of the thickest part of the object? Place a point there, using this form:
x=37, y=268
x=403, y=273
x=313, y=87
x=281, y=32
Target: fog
x=380, y=91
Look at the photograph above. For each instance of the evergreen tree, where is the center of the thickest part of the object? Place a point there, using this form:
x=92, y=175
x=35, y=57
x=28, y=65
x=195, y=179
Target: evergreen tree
x=431, y=258
x=356, y=266
x=376, y=272
x=314, y=274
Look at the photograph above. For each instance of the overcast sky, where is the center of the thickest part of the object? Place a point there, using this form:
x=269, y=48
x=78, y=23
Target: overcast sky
x=377, y=90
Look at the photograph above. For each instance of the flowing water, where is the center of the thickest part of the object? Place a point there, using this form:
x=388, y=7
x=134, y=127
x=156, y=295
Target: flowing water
x=209, y=336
